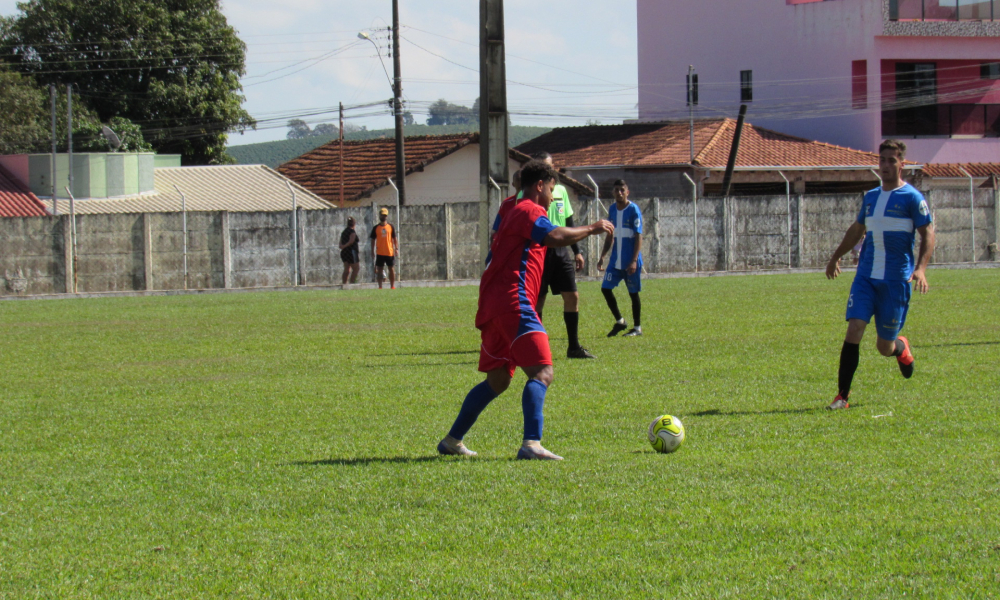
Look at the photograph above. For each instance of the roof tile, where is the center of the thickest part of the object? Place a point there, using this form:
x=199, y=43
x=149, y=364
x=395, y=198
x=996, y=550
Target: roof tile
x=16, y=200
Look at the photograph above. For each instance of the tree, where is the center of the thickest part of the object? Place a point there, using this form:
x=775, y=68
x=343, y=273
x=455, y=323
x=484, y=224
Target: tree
x=170, y=66
x=443, y=112
x=298, y=129
x=408, y=118
x=325, y=130
x=26, y=122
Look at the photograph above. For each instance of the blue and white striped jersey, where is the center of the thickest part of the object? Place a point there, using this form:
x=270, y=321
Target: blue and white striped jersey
x=628, y=224
x=890, y=219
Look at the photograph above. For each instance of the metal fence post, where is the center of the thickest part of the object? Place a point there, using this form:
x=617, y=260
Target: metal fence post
x=449, y=270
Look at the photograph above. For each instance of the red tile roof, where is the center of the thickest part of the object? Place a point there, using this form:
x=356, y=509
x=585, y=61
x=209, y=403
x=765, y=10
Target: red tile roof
x=369, y=163
x=16, y=200
x=668, y=143
x=952, y=169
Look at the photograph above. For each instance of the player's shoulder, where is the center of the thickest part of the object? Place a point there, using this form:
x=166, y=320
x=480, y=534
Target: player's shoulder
x=633, y=207
x=910, y=192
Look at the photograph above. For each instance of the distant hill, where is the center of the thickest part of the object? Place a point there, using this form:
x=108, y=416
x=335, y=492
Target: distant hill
x=273, y=154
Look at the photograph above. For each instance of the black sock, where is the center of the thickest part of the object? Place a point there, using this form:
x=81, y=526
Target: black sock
x=636, y=309
x=848, y=365
x=572, y=328
x=900, y=346
x=609, y=296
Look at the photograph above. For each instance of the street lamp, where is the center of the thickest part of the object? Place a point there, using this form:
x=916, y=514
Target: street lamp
x=397, y=97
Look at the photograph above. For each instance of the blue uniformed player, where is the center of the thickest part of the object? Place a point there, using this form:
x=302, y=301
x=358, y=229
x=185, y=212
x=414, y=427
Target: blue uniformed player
x=626, y=259
x=881, y=288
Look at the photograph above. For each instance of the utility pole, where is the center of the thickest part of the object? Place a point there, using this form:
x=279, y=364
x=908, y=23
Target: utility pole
x=692, y=98
x=397, y=107
x=52, y=100
x=341, y=155
x=69, y=128
x=493, y=170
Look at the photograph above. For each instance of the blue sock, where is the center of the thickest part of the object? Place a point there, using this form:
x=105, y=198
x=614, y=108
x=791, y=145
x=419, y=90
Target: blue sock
x=475, y=401
x=532, y=400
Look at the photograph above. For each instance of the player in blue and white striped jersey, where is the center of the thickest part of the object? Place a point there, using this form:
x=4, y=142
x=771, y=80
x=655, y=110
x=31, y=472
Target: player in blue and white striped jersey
x=888, y=218
x=626, y=259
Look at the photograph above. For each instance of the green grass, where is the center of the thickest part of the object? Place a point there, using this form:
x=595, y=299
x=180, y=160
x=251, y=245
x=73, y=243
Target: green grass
x=281, y=445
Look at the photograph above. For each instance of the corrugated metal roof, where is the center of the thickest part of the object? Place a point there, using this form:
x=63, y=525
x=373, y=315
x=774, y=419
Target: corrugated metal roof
x=234, y=188
x=16, y=200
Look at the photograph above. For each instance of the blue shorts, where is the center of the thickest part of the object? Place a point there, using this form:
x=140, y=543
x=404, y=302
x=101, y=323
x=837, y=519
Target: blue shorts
x=888, y=301
x=614, y=276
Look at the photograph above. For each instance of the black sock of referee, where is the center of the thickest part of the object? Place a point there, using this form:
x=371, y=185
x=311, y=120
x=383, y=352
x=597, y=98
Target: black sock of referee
x=848, y=365
x=572, y=328
x=609, y=297
x=636, y=310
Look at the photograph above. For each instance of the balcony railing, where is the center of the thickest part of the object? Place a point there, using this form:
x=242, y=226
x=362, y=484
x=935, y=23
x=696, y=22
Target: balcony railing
x=943, y=120
x=944, y=10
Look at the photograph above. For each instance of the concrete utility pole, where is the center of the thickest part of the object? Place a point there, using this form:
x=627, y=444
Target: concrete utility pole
x=494, y=174
x=341, y=155
x=397, y=108
x=52, y=99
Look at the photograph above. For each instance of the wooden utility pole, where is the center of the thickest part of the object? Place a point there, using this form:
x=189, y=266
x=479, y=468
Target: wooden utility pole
x=493, y=172
x=341, y=155
x=397, y=106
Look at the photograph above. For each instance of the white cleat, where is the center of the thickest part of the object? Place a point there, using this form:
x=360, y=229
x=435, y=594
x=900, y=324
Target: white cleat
x=536, y=452
x=456, y=448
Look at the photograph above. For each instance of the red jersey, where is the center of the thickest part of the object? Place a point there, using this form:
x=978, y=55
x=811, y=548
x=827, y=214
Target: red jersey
x=513, y=276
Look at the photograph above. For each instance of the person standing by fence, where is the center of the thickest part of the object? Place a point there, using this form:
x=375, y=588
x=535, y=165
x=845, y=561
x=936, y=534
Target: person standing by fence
x=626, y=259
x=385, y=247
x=349, y=252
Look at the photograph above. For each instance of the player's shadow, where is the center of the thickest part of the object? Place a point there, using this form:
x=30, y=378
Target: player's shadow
x=374, y=460
x=446, y=352
x=715, y=412
x=951, y=345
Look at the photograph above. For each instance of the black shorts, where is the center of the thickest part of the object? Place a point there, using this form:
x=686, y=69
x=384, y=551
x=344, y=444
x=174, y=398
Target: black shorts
x=384, y=261
x=560, y=271
x=349, y=256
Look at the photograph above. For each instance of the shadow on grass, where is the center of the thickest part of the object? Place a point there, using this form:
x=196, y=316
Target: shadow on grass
x=714, y=412
x=428, y=353
x=959, y=344
x=374, y=460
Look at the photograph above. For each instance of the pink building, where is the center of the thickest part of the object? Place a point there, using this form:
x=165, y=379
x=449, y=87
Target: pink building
x=847, y=72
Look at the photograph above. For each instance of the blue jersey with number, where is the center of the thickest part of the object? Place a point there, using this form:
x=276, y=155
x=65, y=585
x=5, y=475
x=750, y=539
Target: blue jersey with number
x=628, y=226
x=890, y=219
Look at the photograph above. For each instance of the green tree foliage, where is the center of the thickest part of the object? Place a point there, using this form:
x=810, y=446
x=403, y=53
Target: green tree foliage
x=443, y=112
x=170, y=66
x=300, y=130
x=26, y=121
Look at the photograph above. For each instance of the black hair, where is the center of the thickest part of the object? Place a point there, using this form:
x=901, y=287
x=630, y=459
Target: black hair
x=896, y=145
x=534, y=171
x=619, y=182
x=543, y=155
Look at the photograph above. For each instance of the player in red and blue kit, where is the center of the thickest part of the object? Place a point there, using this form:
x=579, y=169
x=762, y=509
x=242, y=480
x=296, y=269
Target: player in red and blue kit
x=887, y=220
x=512, y=334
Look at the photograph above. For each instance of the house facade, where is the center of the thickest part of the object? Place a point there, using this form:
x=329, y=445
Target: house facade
x=845, y=72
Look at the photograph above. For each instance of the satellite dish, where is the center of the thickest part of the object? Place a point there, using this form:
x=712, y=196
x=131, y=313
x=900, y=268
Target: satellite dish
x=112, y=138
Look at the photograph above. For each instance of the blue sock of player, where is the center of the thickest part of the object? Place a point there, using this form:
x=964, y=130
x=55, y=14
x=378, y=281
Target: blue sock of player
x=532, y=400
x=475, y=401
x=609, y=297
x=636, y=310
x=849, y=356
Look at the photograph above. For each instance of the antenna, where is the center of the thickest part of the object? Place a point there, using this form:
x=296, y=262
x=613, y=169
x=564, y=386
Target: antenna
x=112, y=138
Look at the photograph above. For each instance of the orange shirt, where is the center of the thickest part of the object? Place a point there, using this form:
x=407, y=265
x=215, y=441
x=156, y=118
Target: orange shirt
x=383, y=236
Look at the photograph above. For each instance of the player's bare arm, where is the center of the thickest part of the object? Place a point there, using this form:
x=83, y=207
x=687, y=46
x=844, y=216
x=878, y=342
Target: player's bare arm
x=927, y=241
x=632, y=266
x=608, y=241
x=855, y=233
x=567, y=236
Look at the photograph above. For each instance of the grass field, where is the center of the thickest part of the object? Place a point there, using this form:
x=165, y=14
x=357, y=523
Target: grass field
x=281, y=445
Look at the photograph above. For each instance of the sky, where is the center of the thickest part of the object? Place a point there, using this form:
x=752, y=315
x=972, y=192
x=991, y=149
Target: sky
x=568, y=61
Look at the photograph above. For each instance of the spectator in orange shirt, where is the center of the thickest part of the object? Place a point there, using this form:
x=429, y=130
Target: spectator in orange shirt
x=385, y=247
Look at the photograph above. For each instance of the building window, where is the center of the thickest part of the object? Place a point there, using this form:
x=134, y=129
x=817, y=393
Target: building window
x=746, y=86
x=692, y=89
x=989, y=70
x=944, y=10
x=859, y=84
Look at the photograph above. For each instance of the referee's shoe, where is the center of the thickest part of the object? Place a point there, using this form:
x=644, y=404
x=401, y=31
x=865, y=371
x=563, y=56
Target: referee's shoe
x=579, y=352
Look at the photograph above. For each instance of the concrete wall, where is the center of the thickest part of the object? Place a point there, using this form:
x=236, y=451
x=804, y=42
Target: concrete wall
x=440, y=242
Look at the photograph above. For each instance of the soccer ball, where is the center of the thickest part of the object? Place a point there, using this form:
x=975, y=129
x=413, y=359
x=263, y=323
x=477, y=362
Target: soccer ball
x=666, y=433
